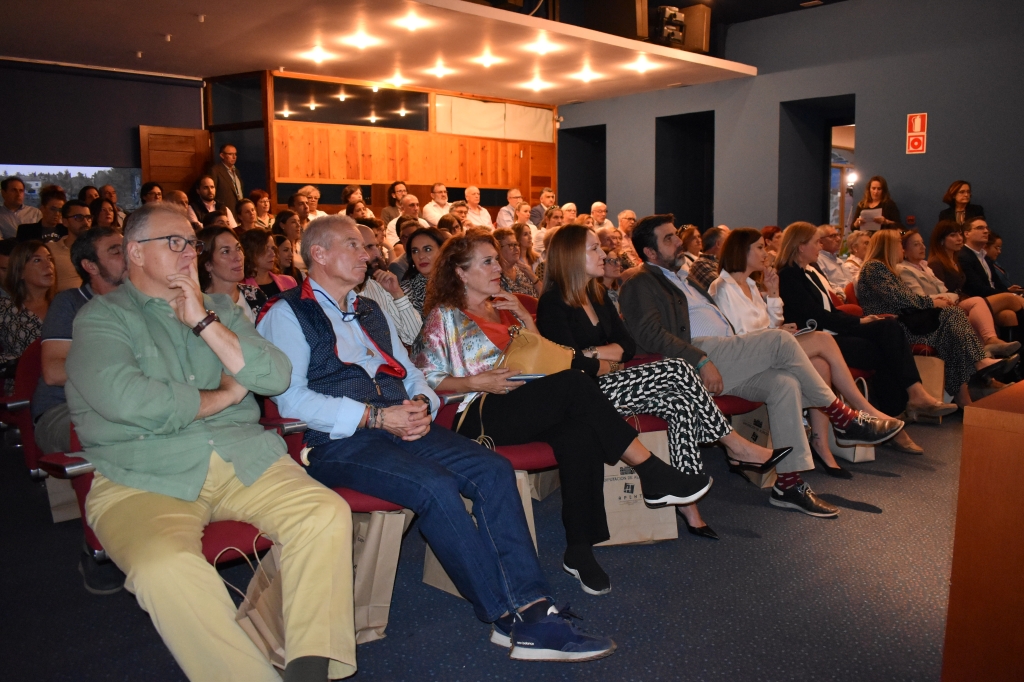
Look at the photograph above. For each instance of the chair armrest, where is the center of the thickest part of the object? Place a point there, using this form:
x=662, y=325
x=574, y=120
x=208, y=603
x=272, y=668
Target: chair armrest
x=285, y=427
x=447, y=398
x=59, y=465
x=11, y=404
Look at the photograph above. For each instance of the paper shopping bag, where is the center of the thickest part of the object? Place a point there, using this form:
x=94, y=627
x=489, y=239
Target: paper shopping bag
x=376, y=546
x=754, y=427
x=630, y=521
x=261, y=613
x=543, y=483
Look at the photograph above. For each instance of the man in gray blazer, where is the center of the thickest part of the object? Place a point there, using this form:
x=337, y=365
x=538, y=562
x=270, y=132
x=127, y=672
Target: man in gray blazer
x=677, y=319
x=225, y=177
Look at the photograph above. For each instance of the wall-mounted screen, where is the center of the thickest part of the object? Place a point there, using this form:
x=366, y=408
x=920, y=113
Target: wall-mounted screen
x=297, y=99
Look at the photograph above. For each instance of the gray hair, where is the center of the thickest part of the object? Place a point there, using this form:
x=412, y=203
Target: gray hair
x=622, y=214
x=711, y=238
x=321, y=232
x=138, y=222
x=308, y=190
x=596, y=204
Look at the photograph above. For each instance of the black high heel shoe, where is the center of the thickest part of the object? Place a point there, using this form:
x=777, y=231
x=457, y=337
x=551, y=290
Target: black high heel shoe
x=778, y=454
x=834, y=472
x=704, y=531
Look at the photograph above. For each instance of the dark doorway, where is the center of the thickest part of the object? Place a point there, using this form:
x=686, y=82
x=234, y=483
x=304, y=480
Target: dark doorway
x=805, y=155
x=684, y=168
x=582, y=160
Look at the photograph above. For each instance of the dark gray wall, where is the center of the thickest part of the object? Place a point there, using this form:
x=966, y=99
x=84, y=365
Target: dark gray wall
x=581, y=167
x=959, y=62
x=83, y=117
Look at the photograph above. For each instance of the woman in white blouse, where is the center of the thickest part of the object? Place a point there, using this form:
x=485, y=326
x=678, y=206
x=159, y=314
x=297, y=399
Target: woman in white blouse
x=743, y=257
x=857, y=242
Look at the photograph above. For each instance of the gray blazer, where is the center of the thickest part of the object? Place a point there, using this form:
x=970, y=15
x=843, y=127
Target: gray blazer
x=657, y=315
x=225, y=188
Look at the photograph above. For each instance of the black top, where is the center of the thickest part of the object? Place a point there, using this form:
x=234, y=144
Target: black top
x=270, y=289
x=971, y=211
x=30, y=231
x=802, y=301
x=890, y=211
x=976, y=280
x=563, y=324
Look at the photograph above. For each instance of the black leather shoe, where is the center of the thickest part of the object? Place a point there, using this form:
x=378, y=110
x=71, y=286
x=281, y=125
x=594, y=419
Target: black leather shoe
x=803, y=499
x=866, y=430
x=997, y=368
x=834, y=472
x=101, y=577
x=778, y=454
x=704, y=531
x=580, y=563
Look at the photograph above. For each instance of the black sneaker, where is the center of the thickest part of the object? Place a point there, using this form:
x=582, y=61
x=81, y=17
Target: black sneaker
x=580, y=563
x=663, y=484
x=101, y=577
x=803, y=499
x=865, y=429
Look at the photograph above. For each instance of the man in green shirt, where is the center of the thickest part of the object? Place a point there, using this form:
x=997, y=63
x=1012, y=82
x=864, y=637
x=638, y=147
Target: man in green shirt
x=159, y=381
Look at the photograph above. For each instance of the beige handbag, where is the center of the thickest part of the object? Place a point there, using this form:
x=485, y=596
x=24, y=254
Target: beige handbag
x=530, y=353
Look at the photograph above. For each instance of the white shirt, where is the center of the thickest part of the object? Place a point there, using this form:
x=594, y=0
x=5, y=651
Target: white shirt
x=747, y=315
x=210, y=206
x=984, y=264
x=479, y=216
x=241, y=303
x=832, y=267
x=313, y=215
x=401, y=311
x=391, y=236
x=607, y=223
x=9, y=220
x=507, y=216
x=852, y=266
x=339, y=417
x=433, y=211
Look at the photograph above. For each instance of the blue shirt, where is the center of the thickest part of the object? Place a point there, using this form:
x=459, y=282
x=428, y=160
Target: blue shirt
x=339, y=417
x=705, y=317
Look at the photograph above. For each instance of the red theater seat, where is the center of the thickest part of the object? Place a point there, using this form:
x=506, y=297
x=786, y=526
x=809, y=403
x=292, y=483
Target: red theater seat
x=16, y=406
x=529, y=302
x=731, y=405
x=851, y=294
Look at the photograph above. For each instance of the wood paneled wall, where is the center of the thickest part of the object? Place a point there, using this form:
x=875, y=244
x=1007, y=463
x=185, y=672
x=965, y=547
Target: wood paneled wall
x=335, y=154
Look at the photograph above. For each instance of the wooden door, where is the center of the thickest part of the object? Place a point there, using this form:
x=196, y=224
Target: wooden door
x=174, y=157
x=542, y=170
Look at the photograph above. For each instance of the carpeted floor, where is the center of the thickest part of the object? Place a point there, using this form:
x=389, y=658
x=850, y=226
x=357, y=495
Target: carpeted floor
x=782, y=596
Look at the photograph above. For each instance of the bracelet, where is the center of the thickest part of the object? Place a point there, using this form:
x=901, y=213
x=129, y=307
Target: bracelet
x=375, y=418
x=615, y=366
x=422, y=398
x=703, y=362
x=210, y=318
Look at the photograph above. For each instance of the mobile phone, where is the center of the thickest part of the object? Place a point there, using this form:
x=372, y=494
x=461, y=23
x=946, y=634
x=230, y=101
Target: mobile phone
x=527, y=377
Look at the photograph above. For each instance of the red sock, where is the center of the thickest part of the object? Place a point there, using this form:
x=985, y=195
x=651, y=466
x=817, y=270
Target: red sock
x=787, y=481
x=839, y=413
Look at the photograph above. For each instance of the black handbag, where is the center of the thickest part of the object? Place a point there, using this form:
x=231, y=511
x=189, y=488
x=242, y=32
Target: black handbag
x=920, y=321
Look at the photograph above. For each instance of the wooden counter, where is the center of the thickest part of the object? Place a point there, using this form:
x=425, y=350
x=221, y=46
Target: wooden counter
x=985, y=621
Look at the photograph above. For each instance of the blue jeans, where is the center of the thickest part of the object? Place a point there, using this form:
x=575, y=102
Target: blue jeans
x=493, y=563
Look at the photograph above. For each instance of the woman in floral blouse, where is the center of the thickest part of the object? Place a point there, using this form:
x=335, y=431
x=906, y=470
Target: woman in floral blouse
x=30, y=284
x=514, y=278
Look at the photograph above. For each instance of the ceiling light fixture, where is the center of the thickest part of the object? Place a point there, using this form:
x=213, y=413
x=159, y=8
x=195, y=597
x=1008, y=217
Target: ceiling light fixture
x=402, y=111
x=312, y=105
x=487, y=59
x=412, y=22
x=542, y=46
x=360, y=40
x=286, y=113
x=586, y=75
x=440, y=70
x=373, y=118
x=641, y=65
x=376, y=88
x=342, y=96
x=537, y=84
x=318, y=55
x=398, y=81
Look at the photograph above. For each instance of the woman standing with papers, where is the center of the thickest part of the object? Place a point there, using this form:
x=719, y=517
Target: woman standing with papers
x=876, y=210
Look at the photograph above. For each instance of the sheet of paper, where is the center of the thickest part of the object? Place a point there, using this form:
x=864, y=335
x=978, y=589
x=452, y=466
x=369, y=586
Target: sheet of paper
x=868, y=215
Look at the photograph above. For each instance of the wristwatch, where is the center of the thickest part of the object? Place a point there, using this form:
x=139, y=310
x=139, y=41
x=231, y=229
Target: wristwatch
x=590, y=352
x=210, y=318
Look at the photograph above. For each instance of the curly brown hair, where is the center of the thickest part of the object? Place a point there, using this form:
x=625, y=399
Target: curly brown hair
x=445, y=288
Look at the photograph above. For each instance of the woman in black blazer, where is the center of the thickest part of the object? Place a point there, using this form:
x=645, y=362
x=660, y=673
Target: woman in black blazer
x=876, y=195
x=961, y=210
x=574, y=311
x=873, y=342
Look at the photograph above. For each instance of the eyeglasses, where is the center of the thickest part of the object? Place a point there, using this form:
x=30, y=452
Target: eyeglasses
x=177, y=243
x=511, y=245
x=612, y=261
x=80, y=216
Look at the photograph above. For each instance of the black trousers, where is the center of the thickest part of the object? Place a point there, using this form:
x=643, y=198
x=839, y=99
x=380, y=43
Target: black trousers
x=570, y=413
x=883, y=347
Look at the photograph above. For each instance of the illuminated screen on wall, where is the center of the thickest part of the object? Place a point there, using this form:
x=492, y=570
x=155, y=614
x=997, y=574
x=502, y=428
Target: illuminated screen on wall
x=297, y=99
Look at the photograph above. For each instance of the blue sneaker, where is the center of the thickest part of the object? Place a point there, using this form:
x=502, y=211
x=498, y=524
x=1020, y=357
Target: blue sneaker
x=501, y=632
x=555, y=638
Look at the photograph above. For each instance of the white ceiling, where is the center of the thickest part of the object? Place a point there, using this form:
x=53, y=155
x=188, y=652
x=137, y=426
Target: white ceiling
x=252, y=35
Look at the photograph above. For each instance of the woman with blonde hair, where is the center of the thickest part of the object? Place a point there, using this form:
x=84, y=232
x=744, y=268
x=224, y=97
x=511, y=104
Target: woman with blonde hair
x=524, y=235
x=575, y=311
x=872, y=342
x=937, y=323
x=466, y=329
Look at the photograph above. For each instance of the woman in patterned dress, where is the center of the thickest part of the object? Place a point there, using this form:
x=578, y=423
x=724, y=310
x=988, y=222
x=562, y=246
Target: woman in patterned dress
x=221, y=268
x=31, y=283
x=515, y=279
x=424, y=245
x=881, y=291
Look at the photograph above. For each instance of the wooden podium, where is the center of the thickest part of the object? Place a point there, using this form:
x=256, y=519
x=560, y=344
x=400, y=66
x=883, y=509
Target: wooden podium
x=985, y=620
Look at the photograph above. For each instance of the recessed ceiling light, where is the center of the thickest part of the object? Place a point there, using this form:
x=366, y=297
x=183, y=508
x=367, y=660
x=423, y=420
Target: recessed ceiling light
x=641, y=65
x=285, y=112
x=402, y=111
x=398, y=81
x=312, y=105
x=440, y=70
x=412, y=22
x=318, y=55
x=542, y=46
x=373, y=118
x=342, y=96
x=487, y=59
x=586, y=75
x=537, y=84
x=361, y=40
x=376, y=88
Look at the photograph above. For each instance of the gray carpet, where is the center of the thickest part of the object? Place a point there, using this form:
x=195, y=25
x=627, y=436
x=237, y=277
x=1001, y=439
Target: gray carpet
x=782, y=596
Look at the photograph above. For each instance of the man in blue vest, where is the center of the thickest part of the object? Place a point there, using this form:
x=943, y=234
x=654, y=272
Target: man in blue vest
x=369, y=412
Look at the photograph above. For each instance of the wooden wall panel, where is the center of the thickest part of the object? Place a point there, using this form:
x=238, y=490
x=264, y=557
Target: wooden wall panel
x=335, y=154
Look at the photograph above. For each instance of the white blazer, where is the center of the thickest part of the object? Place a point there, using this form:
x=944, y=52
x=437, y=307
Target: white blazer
x=746, y=315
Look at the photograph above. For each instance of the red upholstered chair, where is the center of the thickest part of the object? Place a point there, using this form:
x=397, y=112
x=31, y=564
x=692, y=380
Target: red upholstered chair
x=527, y=457
x=851, y=309
x=14, y=408
x=529, y=302
x=851, y=294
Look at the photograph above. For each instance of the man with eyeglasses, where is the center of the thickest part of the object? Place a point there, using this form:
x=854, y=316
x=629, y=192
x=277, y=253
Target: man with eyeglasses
x=14, y=212
x=159, y=382
x=438, y=204
x=77, y=219
x=507, y=213
x=829, y=263
x=50, y=228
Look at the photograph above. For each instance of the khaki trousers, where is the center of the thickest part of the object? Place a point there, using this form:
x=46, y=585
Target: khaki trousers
x=157, y=541
x=771, y=367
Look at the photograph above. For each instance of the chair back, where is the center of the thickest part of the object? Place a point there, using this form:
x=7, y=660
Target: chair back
x=851, y=294
x=30, y=368
x=529, y=302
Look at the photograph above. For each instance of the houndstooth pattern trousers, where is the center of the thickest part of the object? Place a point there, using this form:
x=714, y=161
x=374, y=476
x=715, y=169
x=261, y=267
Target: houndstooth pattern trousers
x=672, y=390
